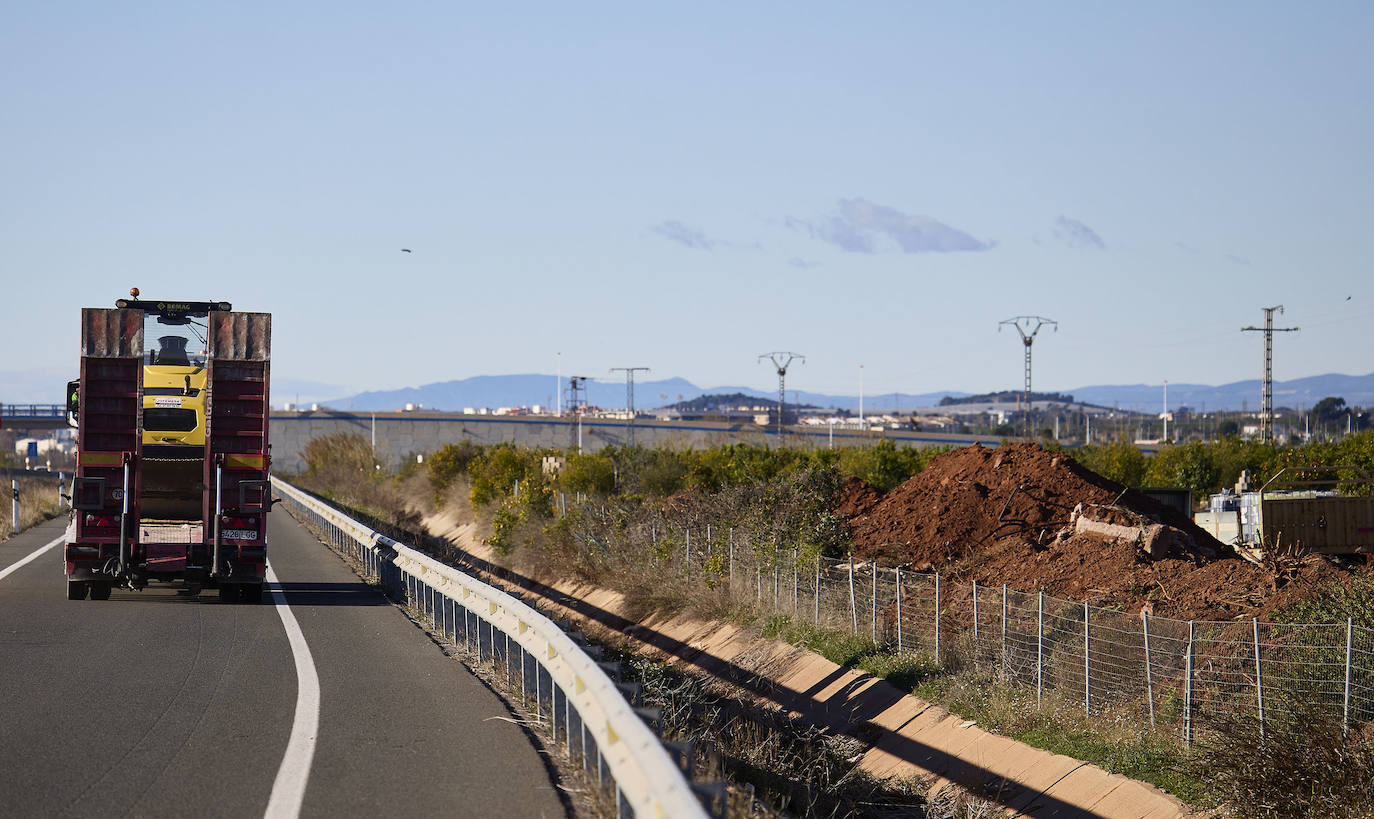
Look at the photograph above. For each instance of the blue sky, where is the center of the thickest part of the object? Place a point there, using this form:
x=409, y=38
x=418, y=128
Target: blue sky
x=686, y=187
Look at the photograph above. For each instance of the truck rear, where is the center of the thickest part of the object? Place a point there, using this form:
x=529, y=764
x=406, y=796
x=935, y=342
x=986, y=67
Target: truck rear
x=172, y=449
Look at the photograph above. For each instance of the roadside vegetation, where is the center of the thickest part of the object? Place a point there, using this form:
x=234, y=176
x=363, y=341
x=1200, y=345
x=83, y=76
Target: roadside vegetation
x=37, y=503
x=598, y=517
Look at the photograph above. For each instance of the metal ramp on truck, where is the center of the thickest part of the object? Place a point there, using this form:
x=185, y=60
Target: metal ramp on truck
x=105, y=496
x=238, y=495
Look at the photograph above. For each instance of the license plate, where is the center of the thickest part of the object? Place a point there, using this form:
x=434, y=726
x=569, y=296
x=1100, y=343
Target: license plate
x=240, y=534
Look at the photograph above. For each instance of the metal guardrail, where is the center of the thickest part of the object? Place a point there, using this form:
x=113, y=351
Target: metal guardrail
x=583, y=706
x=32, y=411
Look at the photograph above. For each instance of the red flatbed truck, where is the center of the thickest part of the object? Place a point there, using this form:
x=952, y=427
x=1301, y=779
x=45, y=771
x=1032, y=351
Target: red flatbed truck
x=148, y=511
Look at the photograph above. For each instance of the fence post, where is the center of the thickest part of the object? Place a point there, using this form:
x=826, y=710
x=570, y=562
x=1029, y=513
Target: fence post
x=1004, y=629
x=1039, y=647
x=1349, y=642
x=732, y=554
x=1149, y=680
x=875, y=602
x=898, y=570
x=777, y=589
x=1087, y=668
x=818, y=590
x=1259, y=680
x=1188, y=689
x=937, y=618
x=796, y=583
x=853, y=603
x=975, y=621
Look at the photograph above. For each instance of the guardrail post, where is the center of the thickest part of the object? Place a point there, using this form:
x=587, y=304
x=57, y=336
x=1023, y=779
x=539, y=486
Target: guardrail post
x=1149, y=679
x=1039, y=647
x=1259, y=679
x=1349, y=643
x=1188, y=689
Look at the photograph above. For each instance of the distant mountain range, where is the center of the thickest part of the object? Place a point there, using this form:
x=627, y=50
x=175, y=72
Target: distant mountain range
x=527, y=390
x=46, y=386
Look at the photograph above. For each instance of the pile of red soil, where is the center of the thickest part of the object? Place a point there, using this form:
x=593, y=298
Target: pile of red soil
x=1005, y=515
x=857, y=497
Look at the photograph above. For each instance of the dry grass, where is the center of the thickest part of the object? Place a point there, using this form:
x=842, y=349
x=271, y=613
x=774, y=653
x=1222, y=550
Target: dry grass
x=1116, y=742
x=1301, y=766
x=37, y=503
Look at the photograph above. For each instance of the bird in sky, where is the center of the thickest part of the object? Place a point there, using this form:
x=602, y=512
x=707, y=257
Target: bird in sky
x=405, y=250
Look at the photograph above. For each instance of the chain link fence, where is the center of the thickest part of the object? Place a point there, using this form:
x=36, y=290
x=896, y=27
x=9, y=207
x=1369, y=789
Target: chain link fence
x=1157, y=670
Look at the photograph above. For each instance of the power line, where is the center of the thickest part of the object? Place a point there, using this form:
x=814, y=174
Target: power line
x=630, y=398
x=781, y=361
x=1267, y=388
x=1023, y=325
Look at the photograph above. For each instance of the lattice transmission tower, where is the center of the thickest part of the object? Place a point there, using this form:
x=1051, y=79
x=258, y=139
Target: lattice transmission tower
x=1267, y=386
x=630, y=398
x=1028, y=327
x=781, y=361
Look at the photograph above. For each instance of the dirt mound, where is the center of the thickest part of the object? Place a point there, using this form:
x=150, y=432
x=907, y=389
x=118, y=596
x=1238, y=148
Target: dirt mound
x=1038, y=520
x=857, y=497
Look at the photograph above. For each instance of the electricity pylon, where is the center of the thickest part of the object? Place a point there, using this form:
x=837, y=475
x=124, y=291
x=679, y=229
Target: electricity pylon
x=630, y=398
x=1023, y=325
x=781, y=361
x=1267, y=386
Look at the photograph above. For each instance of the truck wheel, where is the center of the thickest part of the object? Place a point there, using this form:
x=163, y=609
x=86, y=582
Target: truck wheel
x=76, y=589
x=251, y=593
x=229, y=592
x=100, y=591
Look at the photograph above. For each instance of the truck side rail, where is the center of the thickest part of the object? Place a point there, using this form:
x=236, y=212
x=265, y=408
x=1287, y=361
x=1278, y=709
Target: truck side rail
x=581, y=698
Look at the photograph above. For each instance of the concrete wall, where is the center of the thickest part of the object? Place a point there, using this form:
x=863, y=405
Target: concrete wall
x=404, y=434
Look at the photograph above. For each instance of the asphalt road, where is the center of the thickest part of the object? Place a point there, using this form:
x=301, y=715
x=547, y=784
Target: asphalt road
x=158, y=704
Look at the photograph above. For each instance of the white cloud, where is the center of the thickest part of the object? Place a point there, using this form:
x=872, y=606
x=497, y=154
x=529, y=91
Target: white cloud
x=1076, y=234
x=860, y=226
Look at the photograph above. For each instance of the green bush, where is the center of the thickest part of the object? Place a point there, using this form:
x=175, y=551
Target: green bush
x=495, y=471
x=449, y=462
x=592, y=474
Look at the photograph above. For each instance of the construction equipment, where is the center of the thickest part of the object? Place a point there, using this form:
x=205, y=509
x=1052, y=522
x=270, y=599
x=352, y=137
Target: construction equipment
x=172, y=449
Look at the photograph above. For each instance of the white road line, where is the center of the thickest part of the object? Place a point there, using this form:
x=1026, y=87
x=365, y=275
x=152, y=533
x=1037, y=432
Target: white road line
x=288, y=791
x=34, y=556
